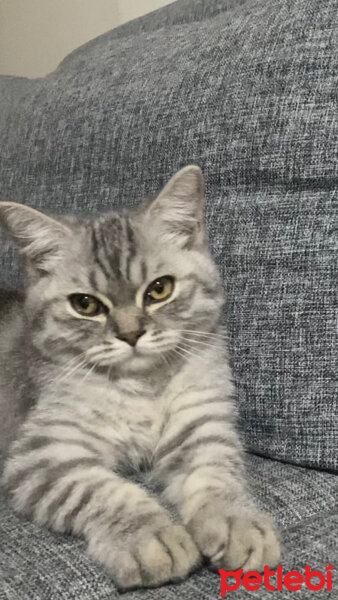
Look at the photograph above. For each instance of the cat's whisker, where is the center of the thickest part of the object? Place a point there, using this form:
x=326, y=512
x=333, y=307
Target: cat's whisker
x=110, y=371
x=186, y=351
x=104, y=359
x=166, y=356
x=62, y=358
x=174, y=352
x=163, y=358
x=178, y=353
x=72, y=372
x=202, y=333
x=202, y=343
x=90, y=371
x=69, y=364
x=66, y=375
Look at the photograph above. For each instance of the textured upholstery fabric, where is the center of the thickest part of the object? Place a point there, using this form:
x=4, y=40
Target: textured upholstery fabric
x=248, y=91
x=38, y=565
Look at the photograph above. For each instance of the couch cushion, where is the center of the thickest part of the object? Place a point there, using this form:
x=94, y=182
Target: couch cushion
x=247, y=90
x=36, y=564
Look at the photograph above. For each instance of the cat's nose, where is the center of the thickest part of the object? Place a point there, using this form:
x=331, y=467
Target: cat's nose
x=130, y=337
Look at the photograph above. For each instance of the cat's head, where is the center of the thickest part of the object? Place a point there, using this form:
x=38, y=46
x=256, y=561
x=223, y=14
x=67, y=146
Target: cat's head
x=123, y=289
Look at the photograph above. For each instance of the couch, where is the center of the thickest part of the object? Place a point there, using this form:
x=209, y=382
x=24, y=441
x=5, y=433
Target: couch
x=247, y=89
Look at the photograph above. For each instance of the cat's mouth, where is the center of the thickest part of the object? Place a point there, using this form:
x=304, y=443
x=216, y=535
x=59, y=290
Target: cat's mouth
x=143, y=353
x=139, y=361
x=127, y=357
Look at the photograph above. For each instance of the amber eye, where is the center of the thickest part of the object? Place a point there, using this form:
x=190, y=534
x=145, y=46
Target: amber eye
x=159, y=290
x=88, y=306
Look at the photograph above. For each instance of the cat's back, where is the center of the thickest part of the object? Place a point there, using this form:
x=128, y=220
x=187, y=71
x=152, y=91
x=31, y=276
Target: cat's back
x=14, y=395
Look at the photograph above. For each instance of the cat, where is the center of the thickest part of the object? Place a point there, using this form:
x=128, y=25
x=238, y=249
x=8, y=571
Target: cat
x=114, y=361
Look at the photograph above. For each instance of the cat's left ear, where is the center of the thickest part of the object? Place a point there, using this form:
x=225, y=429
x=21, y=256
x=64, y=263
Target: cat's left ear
x=178, y=211
x=38, y=236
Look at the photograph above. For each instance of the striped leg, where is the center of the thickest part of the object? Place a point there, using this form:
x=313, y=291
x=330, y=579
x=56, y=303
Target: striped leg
x=200, y=463
x=66, y=486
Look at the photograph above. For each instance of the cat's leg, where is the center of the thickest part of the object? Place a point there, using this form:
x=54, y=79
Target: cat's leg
x=200, y=463
x=62, y=482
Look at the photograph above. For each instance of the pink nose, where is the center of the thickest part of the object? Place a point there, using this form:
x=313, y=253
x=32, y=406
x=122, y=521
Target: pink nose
x=130, y=337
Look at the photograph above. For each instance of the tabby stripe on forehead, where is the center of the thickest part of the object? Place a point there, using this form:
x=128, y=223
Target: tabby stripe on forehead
x=93, y=280
x=144, y=271
x=95, y=245
x=112, y=244
x=131, y=247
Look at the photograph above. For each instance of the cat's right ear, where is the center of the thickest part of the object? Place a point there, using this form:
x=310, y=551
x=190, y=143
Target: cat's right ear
x=39, y=237
x=177, y=212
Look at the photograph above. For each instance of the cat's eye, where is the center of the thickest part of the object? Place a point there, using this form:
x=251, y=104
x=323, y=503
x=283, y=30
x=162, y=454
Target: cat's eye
x=87, y=306
x=159, y=290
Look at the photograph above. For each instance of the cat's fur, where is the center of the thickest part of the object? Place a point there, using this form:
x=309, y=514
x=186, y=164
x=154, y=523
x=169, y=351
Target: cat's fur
x=94, y=408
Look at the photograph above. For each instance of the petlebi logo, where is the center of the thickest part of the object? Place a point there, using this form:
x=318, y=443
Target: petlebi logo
x=276, y=580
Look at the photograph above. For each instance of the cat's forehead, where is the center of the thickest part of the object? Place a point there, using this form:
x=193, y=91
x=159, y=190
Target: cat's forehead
x=114, y=238
x=123, y=258
x=116, y=250
x=117, y=254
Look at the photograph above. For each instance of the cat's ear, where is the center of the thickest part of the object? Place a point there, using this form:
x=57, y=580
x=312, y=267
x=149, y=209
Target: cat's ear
x=39, y=238
x=178, y=211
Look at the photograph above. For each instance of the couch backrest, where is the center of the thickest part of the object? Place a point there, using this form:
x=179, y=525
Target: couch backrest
x=247, y=90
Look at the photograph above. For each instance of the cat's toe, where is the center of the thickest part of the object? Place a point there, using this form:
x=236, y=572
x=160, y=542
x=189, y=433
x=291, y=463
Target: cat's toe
x=242, y=539
x=252, y=543
x=182, y=550
x=168, y=554
x=126, y=572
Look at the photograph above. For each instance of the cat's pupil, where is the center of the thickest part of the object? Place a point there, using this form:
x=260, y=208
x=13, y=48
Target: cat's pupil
x=159, y=287
x=85, y=302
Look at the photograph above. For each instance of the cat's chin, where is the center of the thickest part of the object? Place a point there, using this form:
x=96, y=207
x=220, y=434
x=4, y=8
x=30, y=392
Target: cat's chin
x=141, y=361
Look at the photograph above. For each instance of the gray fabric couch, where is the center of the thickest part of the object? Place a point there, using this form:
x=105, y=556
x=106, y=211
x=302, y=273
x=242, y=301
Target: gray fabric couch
x=247, y=89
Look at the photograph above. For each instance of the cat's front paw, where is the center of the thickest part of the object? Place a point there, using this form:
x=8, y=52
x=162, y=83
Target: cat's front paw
x=168, y=554
x=235, y=539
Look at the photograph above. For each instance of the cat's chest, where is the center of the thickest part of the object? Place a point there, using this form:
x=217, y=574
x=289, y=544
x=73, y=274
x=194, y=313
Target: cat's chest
x=129, y=411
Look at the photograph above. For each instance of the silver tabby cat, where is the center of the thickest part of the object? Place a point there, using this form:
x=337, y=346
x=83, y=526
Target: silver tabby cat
x=113, y=363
